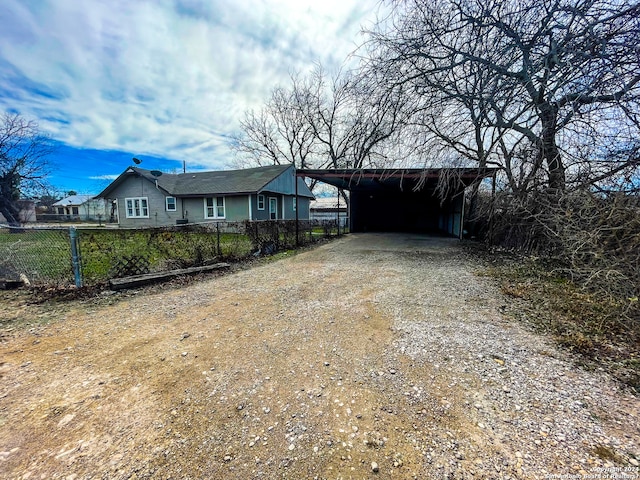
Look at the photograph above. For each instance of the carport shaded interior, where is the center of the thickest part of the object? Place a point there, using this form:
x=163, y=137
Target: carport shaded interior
x=409, y=200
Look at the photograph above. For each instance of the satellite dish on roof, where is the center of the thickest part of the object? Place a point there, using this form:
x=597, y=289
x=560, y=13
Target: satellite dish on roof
x=156, y=173
x=137, y=161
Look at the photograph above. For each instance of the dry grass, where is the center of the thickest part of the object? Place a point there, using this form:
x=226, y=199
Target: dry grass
x=602, y=331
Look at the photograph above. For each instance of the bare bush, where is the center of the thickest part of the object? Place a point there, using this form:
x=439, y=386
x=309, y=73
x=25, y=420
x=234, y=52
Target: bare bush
x=591, y=238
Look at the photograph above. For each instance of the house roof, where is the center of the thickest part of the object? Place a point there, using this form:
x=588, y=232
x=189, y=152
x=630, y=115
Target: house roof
x=73, y=200
x=328, y=203
x=226, y=181
x=222, y=182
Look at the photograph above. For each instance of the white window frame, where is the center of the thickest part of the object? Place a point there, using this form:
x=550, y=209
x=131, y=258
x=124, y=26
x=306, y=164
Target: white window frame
x=139, y=210
x=175, y=204
x=215, y=207
x=261, y=199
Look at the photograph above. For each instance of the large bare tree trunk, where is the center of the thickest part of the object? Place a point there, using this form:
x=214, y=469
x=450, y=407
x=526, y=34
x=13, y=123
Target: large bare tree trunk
x=550, y=150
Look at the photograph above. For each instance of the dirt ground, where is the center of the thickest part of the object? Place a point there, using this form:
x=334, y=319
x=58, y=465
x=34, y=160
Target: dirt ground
x=373, y=356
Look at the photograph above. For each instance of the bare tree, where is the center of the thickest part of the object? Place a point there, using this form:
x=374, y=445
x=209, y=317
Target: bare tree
x=351, y=117
x=278, y=133
x=323, y=121
x=23, y=167
x=549, y=76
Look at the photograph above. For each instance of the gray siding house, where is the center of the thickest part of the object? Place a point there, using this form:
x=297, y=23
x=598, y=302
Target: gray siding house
x=142, y=198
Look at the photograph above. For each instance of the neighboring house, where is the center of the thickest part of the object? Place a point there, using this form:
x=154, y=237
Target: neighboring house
x=80, y=207
x=152, y=198
x=26, y=212
x=329, y=208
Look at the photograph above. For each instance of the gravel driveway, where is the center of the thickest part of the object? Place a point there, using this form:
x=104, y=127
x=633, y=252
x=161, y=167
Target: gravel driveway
x=373, y=356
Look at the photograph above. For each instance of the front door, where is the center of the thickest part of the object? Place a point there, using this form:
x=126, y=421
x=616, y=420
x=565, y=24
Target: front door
x=273, y=208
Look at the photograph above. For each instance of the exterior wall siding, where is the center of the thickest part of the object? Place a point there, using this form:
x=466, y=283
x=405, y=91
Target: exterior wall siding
x=193, y=209
x=236, y=209
x=303, y=208
x=135, y=187
x=304, y=204
x=259, y=214
x=289, y=212
x=283, y=183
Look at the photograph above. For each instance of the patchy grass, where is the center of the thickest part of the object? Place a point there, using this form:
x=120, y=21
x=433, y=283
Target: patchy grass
x=38, y=254
x=603, y=331
x=101, y=250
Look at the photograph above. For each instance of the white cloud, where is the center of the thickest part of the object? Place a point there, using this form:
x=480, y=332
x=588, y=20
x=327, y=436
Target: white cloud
x=166, y=78
x=104, y=177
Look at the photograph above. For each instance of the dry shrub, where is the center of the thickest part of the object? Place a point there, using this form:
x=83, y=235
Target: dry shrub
x=590, y=238
x=270, y=236
x=582, y=271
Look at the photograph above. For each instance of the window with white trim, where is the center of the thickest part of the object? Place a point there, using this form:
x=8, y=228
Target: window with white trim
x=214, y=207
x=260, y=202
x=170, y=204
x=137, y=207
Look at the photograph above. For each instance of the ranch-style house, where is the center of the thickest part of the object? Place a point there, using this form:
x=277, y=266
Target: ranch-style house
x=141, y=198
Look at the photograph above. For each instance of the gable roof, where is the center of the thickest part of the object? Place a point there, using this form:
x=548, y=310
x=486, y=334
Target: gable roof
x=73, y=200
x=226, y=181
x=221, y=182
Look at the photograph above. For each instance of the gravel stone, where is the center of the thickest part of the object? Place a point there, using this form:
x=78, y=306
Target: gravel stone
x=424, y=373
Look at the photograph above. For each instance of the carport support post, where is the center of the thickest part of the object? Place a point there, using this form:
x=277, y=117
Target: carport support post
x=75, y=256
x=464, y=191
x=492, y=207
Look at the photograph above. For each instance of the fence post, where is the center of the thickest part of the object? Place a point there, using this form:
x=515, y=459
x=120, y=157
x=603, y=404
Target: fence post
x=492, y=207
x=338, y=213
x=75, y=256
x=218, y=239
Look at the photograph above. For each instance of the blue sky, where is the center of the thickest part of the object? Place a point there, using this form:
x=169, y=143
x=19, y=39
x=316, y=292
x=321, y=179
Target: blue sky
x=161, y=80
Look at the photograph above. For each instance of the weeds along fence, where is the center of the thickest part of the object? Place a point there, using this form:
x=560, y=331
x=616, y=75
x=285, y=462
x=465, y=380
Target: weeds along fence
x=64, y=256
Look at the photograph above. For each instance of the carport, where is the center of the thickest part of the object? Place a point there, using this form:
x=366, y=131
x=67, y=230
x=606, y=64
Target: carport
x=404, y=200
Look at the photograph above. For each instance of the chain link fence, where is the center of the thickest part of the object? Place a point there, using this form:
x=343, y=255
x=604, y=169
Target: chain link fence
x=36, y=256
x=67, y=256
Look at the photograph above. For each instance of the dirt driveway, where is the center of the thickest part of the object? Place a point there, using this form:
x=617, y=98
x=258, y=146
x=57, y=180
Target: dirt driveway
x=374, y=356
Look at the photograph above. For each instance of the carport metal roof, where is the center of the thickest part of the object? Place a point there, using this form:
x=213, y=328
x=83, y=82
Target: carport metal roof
x=398, y=179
